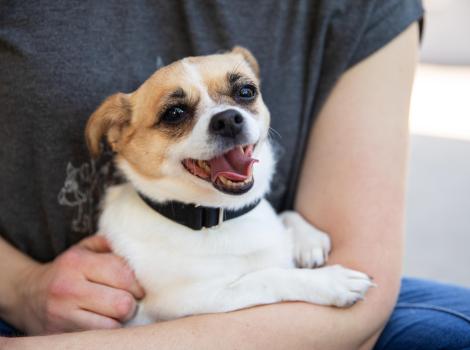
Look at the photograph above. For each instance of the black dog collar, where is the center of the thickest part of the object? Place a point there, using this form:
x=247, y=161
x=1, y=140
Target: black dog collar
x=194, y=216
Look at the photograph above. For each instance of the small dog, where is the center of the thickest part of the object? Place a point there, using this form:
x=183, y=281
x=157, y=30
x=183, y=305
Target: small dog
x=193, y=142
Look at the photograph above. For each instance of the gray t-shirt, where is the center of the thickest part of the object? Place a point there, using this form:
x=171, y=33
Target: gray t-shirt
x=60, y=59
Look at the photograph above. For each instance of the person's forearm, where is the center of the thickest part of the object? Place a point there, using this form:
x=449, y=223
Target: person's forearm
x=279, y=326
x=14, y=265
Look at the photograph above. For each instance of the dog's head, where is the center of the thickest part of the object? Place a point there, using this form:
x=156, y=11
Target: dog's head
x=195, y=131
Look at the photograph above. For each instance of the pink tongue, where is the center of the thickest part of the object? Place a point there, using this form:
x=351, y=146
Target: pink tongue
x=234, y=165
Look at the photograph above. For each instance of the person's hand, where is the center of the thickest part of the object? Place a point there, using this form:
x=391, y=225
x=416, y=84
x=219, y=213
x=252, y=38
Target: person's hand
x=86, y=287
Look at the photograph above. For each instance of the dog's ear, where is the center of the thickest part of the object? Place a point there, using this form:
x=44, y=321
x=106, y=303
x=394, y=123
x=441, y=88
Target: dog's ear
x=109, y=120
x=249, y=58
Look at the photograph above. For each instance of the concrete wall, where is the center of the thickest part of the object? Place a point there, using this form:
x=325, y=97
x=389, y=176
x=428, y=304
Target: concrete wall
x=438, y=206
x=447, y=32
x=438, y=210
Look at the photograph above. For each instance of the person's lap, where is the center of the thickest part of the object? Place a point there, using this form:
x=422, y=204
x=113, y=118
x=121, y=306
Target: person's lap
x=428, y=316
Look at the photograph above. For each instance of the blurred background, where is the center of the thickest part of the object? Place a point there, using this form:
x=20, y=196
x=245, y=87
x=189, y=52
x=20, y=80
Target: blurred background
x=438, y=213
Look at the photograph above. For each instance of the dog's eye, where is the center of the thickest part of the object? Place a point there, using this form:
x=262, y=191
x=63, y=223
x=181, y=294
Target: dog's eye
x=246, y=92
x=175, y=114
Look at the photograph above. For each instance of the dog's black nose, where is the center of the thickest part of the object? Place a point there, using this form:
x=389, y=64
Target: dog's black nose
x=228, y=123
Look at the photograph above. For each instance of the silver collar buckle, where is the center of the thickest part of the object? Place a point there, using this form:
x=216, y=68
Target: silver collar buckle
x=221, y=216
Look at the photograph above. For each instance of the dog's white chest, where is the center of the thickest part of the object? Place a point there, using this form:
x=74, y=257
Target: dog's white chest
x=167, y=256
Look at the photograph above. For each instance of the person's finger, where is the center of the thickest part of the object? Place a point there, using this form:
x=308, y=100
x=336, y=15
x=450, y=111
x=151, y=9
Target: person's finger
x=107, y=301
x=113, y=271
x=86, y=320
x=96, y=243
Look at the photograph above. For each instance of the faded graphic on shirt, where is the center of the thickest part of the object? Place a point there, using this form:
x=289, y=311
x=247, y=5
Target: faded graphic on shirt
x=83, y=189
x=86, y=183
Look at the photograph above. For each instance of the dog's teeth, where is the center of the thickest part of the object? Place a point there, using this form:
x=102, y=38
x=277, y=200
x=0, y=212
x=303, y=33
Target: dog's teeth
x=203, y=165
x=233, y=184
x=227, y=182
x=223, y=180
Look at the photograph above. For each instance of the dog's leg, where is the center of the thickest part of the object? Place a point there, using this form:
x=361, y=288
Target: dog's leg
x=310, y=245
x=331, y=285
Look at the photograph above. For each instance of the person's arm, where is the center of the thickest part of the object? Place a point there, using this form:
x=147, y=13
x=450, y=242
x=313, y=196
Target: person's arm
x=354, y=179
x=352, y=186
x=14, y=265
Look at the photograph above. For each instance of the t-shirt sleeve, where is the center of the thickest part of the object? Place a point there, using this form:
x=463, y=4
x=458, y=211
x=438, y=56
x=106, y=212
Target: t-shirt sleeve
x=385, y=20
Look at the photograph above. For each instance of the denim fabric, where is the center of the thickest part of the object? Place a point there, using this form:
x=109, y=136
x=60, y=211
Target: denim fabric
x=8, y=331
x=428, y=316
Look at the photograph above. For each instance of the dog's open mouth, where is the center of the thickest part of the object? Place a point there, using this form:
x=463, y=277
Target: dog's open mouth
x=231, y=172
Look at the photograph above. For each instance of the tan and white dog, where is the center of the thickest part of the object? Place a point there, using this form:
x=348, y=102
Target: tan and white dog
x=196, y=132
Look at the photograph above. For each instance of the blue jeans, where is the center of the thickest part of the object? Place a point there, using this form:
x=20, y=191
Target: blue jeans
x=428, y=316
x=8, y=331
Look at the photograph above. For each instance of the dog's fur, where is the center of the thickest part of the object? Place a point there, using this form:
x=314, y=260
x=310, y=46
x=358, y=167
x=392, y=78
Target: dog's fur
x=258, y=258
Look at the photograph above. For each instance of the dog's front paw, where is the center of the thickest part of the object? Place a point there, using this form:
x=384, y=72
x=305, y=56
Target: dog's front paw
x=311, y=250
x=311, y=246
x=346, y=286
